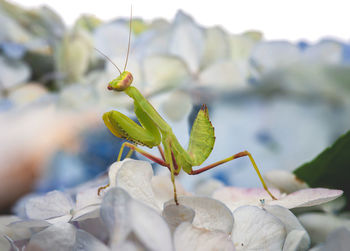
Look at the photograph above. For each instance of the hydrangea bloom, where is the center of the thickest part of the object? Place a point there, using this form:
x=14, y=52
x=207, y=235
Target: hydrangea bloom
x=133, y=214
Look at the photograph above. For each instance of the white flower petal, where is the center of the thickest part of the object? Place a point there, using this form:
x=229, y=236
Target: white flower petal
x=256, y=229
x=241, y=47
x=150, y=227
x=307, y=197
x=297, y=237
x=63, y=218
x=297, y=240
x=234, y=197
x=254, y=35
x=86, y=213
x=68, y=94
x=53, y=204
x=190, y=238
x=115, y=214
x=319, y=225
x=177, y=105
x=174, y=215
x=13, y=73
x=87, y=197
x=209, y=213
x=87, y=204
x=29, y=224
x=163, y=73
x=216, y=46
x=268, y=56
x=13, y=233
x=28, y=93
x=154, y=41
x=326, y=52
x=283, y=180
x=87, y=242
x=116, y=32
x=135, y=177
x=224, y=75
x=72, y=55
x=113, y=171
x=286, y=217
x=187, y=41
x=60, y=236
x=6, y=243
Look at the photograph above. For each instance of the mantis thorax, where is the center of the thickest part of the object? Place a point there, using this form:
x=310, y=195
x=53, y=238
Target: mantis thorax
x=123, y=81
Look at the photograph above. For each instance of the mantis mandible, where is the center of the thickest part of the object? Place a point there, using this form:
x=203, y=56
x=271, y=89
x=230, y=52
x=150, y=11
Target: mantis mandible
x=154, y=131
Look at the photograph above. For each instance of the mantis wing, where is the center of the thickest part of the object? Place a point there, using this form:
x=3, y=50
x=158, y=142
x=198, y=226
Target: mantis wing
x=202, y=138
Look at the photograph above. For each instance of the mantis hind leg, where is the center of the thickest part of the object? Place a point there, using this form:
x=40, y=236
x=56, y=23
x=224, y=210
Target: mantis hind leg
x=236, y=156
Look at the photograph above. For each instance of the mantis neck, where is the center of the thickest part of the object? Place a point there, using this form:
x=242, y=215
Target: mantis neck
x=146, y=106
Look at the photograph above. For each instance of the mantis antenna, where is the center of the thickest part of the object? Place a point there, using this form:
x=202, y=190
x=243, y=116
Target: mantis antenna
x=108, y=59
x=127, y=54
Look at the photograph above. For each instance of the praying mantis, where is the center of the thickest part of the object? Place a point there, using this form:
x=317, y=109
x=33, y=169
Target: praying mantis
x=154, y=131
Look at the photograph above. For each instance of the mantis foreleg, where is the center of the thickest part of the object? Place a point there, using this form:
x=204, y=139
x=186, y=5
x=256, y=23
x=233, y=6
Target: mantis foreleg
x=144, y=153
x=161, y=152
x=139, y=150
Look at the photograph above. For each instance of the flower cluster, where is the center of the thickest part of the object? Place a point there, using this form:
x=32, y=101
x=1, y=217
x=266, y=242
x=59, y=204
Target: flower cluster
x=137, y=212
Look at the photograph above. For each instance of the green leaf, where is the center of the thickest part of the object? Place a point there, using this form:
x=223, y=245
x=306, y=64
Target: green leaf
x=331, y=168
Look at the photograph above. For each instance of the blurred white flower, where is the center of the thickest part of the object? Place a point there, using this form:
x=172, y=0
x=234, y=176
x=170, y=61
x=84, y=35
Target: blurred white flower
x=338, y=240
x=12, y=73
x=284, y=181
x=9, y=235
x=73, y=55
x=320, y=225
x=56, y=208
x=60, y=236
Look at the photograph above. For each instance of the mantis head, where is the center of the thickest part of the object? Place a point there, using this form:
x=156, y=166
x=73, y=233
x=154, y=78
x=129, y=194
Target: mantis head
x=122, y=82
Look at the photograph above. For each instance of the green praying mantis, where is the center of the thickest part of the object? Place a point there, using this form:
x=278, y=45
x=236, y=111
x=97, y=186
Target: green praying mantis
x=154, y=131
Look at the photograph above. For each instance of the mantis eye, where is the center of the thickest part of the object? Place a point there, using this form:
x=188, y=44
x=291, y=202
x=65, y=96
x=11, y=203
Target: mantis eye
x=122, y=82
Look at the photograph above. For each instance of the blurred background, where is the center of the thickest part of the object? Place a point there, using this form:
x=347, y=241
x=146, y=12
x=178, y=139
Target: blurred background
x=274, y=75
